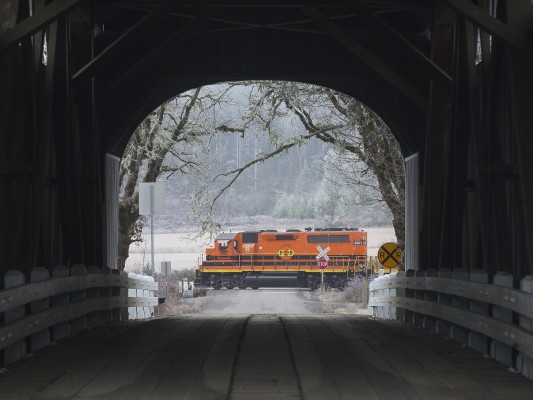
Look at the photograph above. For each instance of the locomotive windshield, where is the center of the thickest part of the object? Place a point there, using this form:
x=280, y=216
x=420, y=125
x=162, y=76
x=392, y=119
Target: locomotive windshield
x=250, y=237
x=222, y=240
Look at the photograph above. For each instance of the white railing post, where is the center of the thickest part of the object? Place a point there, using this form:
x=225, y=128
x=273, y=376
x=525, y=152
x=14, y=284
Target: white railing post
x=410, y=293
x=17, y=350
x=478, y=341
x=384, y=309
x=134, y=312
x=77, y=296
x=372, y=296
x=459, y=333
x=499, y=351
x=61, y=330
x=443, y=327
x=524, y=364
x=378, y=294
x=93, y=319
x=392, y=292
x=419, y=319
x=116, y=290
x=40, y=339
x=124, y=293
x=106, y=315
x=431, y=322
x=399, y=292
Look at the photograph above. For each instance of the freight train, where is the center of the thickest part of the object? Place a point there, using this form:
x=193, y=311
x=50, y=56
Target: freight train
x=268, y=258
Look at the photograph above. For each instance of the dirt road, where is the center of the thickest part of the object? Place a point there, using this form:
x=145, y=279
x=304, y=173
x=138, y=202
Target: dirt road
x=260, y=301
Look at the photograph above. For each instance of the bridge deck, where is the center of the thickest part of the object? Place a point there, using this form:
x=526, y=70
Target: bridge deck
x=260, y=357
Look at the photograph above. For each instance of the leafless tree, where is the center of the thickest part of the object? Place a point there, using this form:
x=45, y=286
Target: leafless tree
x=169, y=141
x=173, y=138
x=366, y=155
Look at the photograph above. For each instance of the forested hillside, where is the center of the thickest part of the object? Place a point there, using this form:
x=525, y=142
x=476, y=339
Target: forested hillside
x=300, y=184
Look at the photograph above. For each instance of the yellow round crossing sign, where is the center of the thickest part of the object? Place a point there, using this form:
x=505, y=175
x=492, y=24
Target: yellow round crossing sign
x=390, y=255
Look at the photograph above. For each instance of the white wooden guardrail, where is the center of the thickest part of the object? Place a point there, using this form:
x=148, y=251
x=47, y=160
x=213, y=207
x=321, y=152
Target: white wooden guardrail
x=50, y=308
x=494, y=319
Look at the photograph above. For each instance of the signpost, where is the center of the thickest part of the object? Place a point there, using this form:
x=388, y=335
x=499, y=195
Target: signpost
x=390, y=255
x=166, y=271
x=166, y=268
x=152, y=202
x=322, y=263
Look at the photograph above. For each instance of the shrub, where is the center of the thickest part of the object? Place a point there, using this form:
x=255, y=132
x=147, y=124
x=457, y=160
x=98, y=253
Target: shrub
x=179, y=274
x=352, y=293
x=148, y=269
x=355, y=289
x=174, y=303
x=199, y=292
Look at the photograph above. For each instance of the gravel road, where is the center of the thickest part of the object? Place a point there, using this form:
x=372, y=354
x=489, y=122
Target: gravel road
x=260, y=301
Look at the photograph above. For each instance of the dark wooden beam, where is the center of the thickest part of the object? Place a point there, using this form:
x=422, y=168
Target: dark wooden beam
x=394, y=5
x=433, y=172
x=495, y=27
x=159, y=52
x=36, y=22
x=104, y=58
x=381, y=27
x=519, y=14
x=374, y=62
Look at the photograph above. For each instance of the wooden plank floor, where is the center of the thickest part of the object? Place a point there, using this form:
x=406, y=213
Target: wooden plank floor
x=260, y=357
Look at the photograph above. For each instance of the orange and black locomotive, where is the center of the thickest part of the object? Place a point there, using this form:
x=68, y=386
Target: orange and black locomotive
x=271, y=258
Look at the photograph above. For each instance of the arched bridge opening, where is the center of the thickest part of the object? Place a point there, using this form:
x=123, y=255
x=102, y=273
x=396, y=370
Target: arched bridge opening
x=410, y=62
x=267, y=151
x=451, y=78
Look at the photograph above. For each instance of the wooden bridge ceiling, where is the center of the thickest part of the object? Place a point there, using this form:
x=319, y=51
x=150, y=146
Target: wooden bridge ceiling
x=148, y=51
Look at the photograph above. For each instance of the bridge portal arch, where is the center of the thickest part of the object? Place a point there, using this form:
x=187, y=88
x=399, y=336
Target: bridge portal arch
x=452, y=79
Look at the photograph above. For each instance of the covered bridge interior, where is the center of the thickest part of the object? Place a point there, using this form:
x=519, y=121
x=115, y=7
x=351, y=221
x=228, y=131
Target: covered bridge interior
x=452, y=78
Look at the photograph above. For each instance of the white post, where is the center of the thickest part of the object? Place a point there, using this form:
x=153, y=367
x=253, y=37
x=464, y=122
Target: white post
x=152, y=224
x=151, y=202
x=322, y=281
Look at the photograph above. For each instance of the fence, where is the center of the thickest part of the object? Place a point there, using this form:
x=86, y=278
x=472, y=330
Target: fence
x=50, y=308
x=494, y=319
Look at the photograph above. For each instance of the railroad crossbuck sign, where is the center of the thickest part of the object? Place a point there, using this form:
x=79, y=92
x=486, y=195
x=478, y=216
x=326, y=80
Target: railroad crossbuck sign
x=322, y=253
x=390, y=255
x=322, y=258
